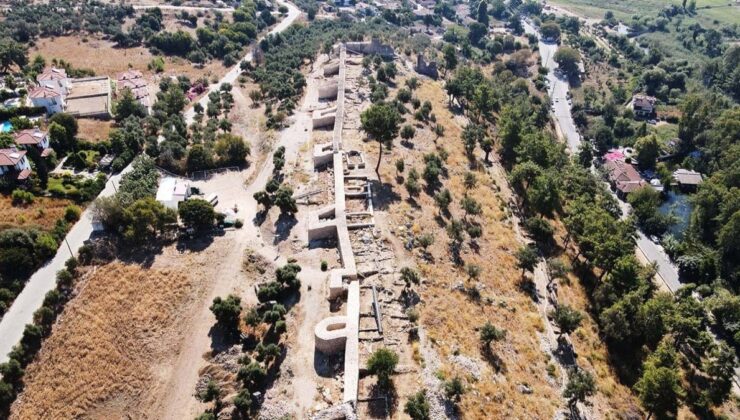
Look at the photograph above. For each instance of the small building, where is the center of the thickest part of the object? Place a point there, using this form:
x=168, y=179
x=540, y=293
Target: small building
x=172, y=191
x=14, y=164
x=643, y=105
x=33, y=137
x=56, y=79
x=623, y=177
x=134, y=81
x=687, y=180
x=46, y=97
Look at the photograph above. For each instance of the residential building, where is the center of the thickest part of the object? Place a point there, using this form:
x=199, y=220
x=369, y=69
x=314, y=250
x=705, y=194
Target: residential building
x=172, y=191
x=56, y=79
x=687, y=180
x=643, y=105
x=33, y=137
x=623, y=177
x=14, y=164
x=49, y=98
x=134, y=81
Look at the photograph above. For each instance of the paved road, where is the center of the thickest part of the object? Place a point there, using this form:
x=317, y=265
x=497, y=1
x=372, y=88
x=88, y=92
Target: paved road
x=558, y=91
x=562, y=115
x=43, y=280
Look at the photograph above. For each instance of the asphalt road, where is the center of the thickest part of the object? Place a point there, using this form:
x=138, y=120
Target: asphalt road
x=558, y=91
x=561, y=113
x=44, y=279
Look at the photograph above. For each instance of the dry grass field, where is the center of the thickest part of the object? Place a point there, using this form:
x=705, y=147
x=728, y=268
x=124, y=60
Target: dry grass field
x=94, y=130
x=450, y=317
x=102, y=57
x=42, y=213
x=97, y=361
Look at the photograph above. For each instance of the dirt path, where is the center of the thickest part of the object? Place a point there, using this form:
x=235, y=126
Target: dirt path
x=178, y=401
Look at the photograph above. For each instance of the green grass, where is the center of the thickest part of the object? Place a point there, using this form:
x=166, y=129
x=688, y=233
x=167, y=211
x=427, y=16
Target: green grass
x=665, y=132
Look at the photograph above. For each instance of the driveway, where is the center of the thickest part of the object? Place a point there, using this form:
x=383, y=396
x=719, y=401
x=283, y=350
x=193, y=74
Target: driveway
x=43, y=280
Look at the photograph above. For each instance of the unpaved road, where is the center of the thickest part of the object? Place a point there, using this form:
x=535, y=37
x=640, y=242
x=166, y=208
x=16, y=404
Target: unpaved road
x=178, y=402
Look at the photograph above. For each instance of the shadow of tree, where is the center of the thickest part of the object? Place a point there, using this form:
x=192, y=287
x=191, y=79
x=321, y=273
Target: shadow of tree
x=283, y=225
x=383, y=195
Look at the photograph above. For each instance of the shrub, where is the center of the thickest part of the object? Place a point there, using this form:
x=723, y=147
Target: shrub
x=22, y=197
x=324, y=265
x=281, y=327
x=417, y=407
x=238, y=223
x=197, y=213
x=243, y=402
x=454, y=389
x=72, y=213
x=382, y=363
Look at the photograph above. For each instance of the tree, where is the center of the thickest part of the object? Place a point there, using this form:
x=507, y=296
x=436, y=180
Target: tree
x=659, y=389
x=581, y=385
x=550, y=31
x=227, y=312
x=380, y=121
x=454, y=389
x=70, y=127
x=417, y=407
x=12, y=371
x=567, y=319
x=231, y=149
x=489, y=334
x=285, y=201
x=407, y=132
x=568, y=59
x=243, y=402
x=197, y=213
x=647, y=149
x=11, y=53
x=476, y=32
x=450, y=57
x=199, y=158
x=443, y=199
x=585, y=154
x=527, y=258
x=382, y=363
x=143, y=220
x=128, y=106
x=211, y=393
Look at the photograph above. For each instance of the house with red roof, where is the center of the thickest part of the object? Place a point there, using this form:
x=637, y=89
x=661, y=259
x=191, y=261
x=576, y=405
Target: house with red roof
x=33, y=137
x=49, y=98
x=14, y=164
x=623, y=177
x=134, y=81
x=56, y=79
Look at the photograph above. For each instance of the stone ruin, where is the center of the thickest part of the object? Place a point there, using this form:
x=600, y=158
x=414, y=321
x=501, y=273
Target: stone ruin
x=340, y=333
x=374, y=47
x=426, y=69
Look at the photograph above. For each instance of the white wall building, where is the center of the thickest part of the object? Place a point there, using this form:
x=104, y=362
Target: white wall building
x=56, y=79
x=14, y=163
x=48, y=98
x=172, y=191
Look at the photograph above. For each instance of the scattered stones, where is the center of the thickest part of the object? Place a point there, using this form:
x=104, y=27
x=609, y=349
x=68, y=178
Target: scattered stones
x=468, y=365
x=524, y=389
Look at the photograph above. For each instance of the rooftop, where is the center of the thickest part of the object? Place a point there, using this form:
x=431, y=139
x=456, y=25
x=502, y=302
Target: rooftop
x=30, y=136
x=9, y=157
x=43, y=92
x=687, y=177
x=52, y=73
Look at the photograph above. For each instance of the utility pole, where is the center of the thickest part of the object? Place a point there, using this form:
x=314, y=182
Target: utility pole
x=71, y=254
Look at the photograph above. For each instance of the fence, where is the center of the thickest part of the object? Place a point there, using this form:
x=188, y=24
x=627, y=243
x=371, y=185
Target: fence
x=204, y=175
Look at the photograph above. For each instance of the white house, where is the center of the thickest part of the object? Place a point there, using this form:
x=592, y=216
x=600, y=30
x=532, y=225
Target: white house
x=172, y=191
x=33, y=138
x=643, y=105
x=51, y=99
x=14, y=164
x=56, y=79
